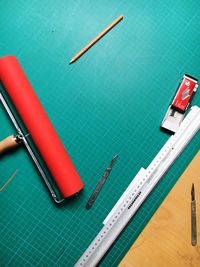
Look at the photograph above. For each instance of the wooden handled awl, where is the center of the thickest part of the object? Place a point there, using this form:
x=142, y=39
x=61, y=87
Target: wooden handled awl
x=8, y=143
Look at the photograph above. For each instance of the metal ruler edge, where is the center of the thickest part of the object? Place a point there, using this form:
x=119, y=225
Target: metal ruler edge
x=136, y=194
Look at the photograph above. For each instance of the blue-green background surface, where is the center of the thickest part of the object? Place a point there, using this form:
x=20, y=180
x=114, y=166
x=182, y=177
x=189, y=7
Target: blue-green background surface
x=112, y=100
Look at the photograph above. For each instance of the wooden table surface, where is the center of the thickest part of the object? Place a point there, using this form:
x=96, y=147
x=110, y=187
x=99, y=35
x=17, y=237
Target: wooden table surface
x=166, y=240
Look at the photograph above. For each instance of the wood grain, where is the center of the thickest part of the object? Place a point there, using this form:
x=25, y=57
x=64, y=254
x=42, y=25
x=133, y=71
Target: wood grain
x=166, y=240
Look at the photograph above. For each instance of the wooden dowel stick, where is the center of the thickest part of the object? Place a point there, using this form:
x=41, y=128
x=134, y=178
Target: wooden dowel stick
x=96, y=39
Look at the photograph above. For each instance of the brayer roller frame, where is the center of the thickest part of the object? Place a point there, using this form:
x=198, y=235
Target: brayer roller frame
x=19, y=138
x=40, y=129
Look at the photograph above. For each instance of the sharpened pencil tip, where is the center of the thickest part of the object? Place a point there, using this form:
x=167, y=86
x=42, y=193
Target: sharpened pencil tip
x=71, y=61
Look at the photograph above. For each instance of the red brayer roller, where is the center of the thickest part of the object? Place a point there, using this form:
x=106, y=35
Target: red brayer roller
x=41, y=130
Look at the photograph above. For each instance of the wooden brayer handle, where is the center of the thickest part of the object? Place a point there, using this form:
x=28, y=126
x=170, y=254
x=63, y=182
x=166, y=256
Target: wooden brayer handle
x=8, y=143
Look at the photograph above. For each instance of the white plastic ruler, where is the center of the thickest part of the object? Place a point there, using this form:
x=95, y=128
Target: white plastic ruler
x=139, y=189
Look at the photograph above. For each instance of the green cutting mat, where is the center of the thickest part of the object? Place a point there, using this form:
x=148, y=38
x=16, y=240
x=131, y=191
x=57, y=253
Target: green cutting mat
x=112, y=100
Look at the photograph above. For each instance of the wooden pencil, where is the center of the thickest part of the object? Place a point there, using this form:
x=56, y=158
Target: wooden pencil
x=96, y=39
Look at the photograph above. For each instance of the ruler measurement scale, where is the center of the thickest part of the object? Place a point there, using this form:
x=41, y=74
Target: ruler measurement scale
x=146, y=181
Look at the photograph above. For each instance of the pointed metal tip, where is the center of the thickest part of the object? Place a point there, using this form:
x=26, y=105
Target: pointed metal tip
x=192, y=187
x=193, y=192
x=113, y=161
x=116, y=156
x=71, y=61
